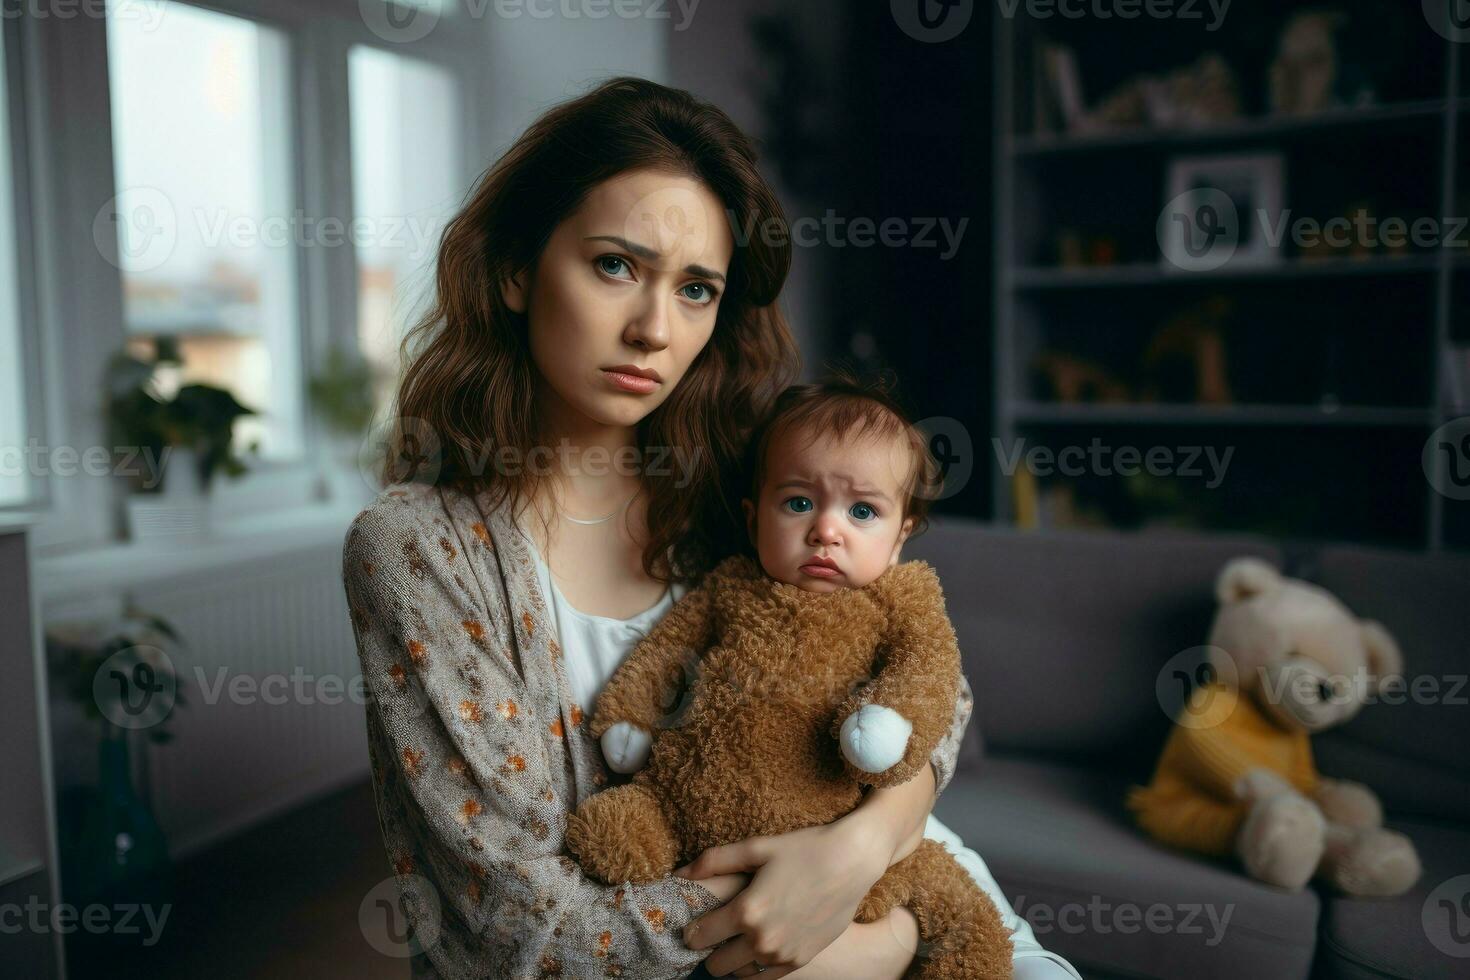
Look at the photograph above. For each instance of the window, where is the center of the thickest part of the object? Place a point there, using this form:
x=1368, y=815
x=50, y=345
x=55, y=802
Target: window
x=406, y=185
x=15, y=480
x=208, y=230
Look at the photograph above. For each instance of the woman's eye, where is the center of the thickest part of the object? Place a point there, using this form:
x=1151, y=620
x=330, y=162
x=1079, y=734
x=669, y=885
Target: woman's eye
x=862, y=512
x=699, y=292
x=799, y=505
x=612, y=265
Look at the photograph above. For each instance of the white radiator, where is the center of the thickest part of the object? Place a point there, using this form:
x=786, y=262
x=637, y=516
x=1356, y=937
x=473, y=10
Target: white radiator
x=272, y=711
x=234, y=758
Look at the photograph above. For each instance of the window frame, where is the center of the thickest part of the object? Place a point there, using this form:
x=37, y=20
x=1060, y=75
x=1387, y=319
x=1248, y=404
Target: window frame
x=17, y=146
x=72, y=303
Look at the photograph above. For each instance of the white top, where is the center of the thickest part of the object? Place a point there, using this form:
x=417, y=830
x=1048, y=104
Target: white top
x=592, y=647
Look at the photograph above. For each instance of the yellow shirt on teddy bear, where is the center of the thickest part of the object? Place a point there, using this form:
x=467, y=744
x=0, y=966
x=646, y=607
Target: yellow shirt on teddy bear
x=1191, y=802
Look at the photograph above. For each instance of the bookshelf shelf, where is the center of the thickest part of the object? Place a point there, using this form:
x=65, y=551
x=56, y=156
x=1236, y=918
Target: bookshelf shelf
x=1426, y=111
x=1042, y=413
x=1033, y=278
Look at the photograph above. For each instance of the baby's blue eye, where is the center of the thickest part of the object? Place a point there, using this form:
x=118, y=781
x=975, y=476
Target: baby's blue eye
x=862, y=512
x=799, y=505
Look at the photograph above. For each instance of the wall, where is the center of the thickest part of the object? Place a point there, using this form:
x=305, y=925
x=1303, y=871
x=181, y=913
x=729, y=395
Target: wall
x=26, y=851
x=714, y=57
x=532, y=62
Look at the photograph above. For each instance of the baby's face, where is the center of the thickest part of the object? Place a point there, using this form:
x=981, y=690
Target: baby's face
x=829, y=515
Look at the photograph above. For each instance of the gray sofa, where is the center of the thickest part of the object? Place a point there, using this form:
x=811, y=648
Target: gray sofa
x=1064, y=635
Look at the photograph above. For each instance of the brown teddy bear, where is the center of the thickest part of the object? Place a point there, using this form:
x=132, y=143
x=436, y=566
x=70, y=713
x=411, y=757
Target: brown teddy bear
x=1236, y=777
x=766, y=680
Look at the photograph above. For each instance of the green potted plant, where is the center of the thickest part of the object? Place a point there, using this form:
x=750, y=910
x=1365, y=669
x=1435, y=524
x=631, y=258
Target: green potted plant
x=171, y=445
x=343, y=394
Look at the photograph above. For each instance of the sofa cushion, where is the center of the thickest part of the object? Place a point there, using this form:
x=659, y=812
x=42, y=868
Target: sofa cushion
x=1064, y=633
x=1415, y=935
x=1096, y=890
x=1410, y=746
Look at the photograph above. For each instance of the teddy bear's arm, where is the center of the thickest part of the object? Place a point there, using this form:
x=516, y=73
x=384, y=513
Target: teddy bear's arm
x=1347, y=803
x=918, y=676
x=1208, y=758
x=647, y=686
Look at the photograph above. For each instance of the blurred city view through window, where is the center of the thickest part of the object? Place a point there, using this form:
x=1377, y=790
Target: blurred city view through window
x=206, y=209
x=407, y=151
x=15, y=484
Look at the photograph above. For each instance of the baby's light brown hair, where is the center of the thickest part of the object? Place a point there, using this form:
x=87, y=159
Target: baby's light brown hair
x=844, y=406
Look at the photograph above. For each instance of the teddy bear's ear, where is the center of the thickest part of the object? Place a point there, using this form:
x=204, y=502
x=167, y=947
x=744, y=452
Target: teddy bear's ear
x=1385, y=660
x=1242, y=578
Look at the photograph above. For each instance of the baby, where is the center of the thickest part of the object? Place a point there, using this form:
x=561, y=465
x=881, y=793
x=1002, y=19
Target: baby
x=772, y=692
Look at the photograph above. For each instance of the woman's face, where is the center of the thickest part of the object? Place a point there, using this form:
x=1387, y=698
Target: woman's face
x=632, y=280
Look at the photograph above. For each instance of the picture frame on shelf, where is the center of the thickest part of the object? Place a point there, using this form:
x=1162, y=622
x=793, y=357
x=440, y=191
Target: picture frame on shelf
x=1222, y=210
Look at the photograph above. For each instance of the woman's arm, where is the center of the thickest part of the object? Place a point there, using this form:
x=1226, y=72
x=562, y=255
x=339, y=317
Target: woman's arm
x=466, y=803
x=947, y=753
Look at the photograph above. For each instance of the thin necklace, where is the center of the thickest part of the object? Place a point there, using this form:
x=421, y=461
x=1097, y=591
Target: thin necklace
x=603, y=520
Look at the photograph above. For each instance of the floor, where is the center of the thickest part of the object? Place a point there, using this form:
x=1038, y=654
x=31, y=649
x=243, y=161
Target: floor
x=280, y=901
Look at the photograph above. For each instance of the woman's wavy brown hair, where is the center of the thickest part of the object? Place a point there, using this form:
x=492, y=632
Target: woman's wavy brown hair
x=470, y=380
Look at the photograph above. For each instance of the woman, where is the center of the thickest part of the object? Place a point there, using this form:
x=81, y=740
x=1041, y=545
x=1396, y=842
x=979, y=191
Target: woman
x=567, y=452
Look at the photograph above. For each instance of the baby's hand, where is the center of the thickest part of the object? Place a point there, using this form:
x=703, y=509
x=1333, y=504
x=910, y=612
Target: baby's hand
x=874, y=738
x=625, y=746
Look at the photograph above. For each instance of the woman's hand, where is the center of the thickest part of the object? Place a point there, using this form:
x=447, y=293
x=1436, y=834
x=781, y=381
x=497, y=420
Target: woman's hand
x=725, y=887
x=881, y=950
x=806, y=889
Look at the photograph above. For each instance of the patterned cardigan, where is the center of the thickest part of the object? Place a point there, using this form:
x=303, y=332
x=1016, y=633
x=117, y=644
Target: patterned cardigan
x=479, y=754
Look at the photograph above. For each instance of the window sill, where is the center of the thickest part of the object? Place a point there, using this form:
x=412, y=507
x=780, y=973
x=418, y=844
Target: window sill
x=19, y=520
x=266, y=537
